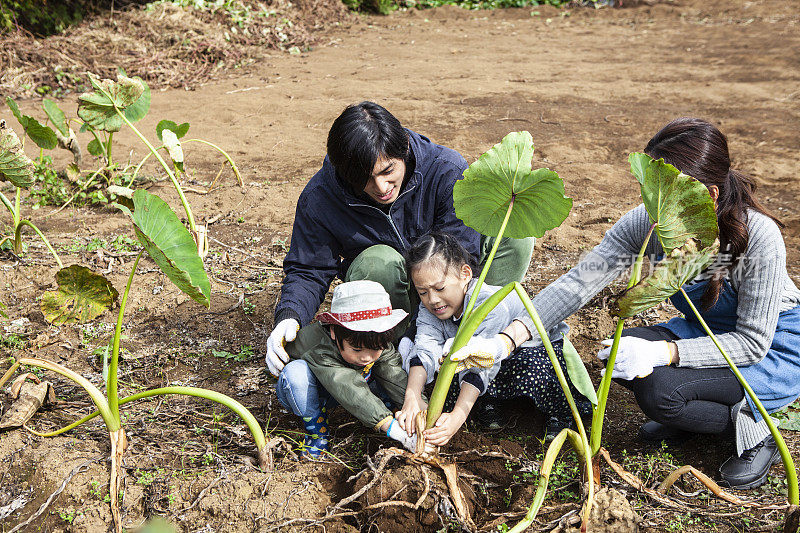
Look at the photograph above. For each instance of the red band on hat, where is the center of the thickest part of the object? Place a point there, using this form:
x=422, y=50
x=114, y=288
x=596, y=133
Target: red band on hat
x=361, y=315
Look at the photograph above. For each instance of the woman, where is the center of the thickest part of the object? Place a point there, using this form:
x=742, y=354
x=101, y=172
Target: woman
x=677, y=374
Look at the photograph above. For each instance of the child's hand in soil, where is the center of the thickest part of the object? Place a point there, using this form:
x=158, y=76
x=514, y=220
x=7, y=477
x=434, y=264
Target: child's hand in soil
x=407, y=416
x=446, y=426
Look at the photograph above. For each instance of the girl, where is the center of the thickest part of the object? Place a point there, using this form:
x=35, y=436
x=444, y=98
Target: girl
x=679, y=378
x=440, y=270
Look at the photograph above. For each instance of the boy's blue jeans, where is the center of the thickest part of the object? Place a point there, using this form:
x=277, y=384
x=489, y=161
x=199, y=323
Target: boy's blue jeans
x=300, y=392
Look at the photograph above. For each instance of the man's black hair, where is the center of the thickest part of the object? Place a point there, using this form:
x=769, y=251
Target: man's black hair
x=359, y=137
x=370, y=340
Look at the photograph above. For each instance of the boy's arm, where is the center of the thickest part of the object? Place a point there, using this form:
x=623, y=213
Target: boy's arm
x=388, y=371
x=348, y=387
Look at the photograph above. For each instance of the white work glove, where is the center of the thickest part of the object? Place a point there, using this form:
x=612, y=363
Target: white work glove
x=636, y=357
x=404, y=347
x=396, y=432
x=481, y=352
x=285, y=331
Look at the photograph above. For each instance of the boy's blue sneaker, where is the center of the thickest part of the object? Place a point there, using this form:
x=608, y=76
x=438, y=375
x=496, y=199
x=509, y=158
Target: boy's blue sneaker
x=315, y=443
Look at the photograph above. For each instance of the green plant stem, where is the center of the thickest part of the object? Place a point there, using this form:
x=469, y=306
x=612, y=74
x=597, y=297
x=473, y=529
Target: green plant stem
x=544, y=475
x=171, y=175
x=223, y=152
x=97, y=397
x=227, y=401
x=18, y=238
x=786, y=457
x=17, y=218
x=598, y=417
x=6, y=202
x=562, y=380
x=17, y=211
x=108, y=147
x=111, y=387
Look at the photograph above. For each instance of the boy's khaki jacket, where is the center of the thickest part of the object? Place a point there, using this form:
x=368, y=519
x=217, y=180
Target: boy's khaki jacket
x=346, y=383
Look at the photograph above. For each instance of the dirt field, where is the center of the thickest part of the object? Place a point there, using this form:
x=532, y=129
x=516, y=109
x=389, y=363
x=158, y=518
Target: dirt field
x=590, y=85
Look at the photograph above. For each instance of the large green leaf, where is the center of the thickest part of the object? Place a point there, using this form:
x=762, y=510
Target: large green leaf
x=15, y=166
x=12, y=105
x=680, y=205
x=504, y=173
x=173, y=146
x=81, y=296
x=56, y=116
x=42, y=135
x=96, y=148
x=170, y=245
x=137, y=111
x=677, y=268
x=178, y=129
x=577, y=372
x=98, y=108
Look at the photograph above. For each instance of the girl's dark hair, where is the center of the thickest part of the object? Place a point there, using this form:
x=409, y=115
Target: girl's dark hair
x=699, y=149
x=441, y=246
x=361, y=135
x=371, y=340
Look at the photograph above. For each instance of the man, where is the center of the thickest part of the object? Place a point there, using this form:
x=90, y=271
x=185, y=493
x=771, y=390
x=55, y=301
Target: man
x=380, y=188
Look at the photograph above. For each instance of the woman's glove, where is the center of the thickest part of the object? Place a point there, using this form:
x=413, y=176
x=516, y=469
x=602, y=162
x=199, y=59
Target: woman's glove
x=636, y=357
x=399, y=434
x=482, y=352
x=285, y=331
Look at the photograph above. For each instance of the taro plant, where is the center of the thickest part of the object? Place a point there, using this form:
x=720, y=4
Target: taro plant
x=114, y=104
x=17, y=168
x=683, y=216
x=501, y=195
x=83, y=295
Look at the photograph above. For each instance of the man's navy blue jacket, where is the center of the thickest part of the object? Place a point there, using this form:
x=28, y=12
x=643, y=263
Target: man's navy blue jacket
x=332, y=225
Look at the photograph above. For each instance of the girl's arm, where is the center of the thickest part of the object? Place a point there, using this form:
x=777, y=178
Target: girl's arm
x=449, y=423
x=413, y=403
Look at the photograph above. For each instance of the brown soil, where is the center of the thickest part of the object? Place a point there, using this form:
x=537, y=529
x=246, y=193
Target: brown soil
x=590, y=85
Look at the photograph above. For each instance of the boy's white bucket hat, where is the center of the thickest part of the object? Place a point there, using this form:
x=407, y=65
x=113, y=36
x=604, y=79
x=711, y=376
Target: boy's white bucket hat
x=362, y=306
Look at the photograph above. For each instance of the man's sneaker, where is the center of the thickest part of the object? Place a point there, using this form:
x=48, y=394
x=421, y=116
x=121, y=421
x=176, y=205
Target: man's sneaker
x=487, y=414
x=652, y=431
x=750, y=469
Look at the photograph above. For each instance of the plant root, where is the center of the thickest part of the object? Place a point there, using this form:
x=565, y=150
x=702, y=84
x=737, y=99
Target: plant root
x=705, y=480
x=792, y=522
x=118, y=445
x=659, y=495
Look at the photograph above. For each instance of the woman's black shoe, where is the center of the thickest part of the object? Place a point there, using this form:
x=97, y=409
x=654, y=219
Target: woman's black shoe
x=487, y=414
x=652, y=431
x=750, y=469
x=554, y=426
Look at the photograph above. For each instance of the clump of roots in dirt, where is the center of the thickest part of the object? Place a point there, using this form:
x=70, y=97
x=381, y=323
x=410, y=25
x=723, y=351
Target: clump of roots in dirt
x=164, y=43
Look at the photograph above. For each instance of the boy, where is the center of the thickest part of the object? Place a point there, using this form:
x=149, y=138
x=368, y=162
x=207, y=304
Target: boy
x=347, y=358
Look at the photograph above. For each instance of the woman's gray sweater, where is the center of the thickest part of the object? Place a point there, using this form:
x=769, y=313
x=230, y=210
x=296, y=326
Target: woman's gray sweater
x=763, y=286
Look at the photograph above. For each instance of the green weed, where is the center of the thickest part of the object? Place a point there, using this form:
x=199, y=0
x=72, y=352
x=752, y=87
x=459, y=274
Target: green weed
x=245, y=353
